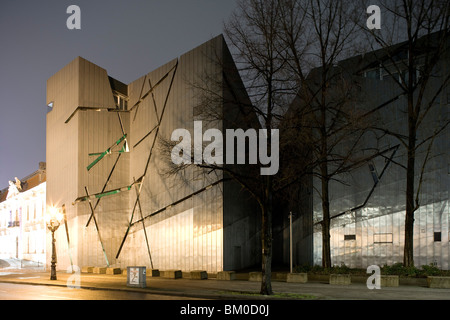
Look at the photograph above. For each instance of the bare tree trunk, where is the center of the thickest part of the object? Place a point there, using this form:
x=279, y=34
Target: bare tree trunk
x=408, y=256
x=326, y=248
x=266, y=235
x=325, y=183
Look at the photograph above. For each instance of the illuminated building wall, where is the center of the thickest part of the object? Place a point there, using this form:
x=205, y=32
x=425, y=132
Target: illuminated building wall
x=105, y=167
x=22, y=220
x=368, y=203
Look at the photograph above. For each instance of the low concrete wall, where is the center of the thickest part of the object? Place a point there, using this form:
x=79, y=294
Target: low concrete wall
x=438, y=282
x=297, y=277
x=340, y=279
x=198, y=275
x=87, y=269
x=153, y=273
x=389, y=281
x=226, y=275
x=279, y=276
x=336, y=279
x=171, y=274
x=113, y=271
x=99, y=270
x=255, y=276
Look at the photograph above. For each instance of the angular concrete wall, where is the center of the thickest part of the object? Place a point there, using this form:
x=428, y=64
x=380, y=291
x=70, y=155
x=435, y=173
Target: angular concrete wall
x=183, y=214
x=62, y=154
x=374, y=233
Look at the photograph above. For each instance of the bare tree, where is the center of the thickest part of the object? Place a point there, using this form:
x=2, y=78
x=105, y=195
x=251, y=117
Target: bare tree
x=253, y=32
x=413, y=41
x=327, y=34
x=276, y=44
x=255, y=98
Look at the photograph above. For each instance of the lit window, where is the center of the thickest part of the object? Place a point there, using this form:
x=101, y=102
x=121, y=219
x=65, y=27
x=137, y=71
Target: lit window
x=121, y=102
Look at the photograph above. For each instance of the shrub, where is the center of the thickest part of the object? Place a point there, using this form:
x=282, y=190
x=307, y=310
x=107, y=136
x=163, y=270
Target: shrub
x=303, y=268
x=431, y=270
x=395, y=269
x=400, y=270
x=342, y=269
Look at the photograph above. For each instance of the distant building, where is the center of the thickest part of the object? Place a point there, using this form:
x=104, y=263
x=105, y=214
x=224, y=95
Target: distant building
x=22, y=218
x=368, y=203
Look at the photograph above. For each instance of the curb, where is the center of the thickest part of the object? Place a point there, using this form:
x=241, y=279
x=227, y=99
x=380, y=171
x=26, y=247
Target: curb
x=127, y=289
x=212, y=296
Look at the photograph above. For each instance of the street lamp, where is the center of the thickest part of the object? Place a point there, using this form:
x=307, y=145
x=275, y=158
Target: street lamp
x=53, y=219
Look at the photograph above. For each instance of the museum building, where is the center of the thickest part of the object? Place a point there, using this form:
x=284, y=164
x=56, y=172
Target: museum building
x=107, y=170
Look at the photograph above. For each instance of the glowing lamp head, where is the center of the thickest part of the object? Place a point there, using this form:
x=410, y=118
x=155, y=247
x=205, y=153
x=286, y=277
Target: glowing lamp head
x=53, y=218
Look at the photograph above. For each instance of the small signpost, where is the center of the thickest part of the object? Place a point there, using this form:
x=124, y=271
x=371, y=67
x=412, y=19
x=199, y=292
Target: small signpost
x=136, y=277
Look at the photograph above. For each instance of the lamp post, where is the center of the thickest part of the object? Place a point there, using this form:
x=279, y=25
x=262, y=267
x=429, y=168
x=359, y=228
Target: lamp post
x=53, y=220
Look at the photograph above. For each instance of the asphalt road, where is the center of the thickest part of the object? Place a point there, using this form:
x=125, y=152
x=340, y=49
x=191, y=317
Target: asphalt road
x=10, y=291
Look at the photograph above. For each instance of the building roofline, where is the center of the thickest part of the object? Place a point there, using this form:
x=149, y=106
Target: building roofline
x=25, y=181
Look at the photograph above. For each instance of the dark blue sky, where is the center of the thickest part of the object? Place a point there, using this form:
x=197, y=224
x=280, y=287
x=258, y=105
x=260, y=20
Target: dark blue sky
x=127, y=38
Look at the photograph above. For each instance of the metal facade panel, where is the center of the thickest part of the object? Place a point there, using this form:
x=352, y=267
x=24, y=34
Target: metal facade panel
x=384, y=210
x=200, y=250
x=186, y=226
x=95, y=89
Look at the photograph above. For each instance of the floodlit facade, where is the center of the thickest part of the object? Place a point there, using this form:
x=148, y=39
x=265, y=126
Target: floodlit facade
x=22, y=218
x=107, y=169
x=109, y=165
x=368, y=203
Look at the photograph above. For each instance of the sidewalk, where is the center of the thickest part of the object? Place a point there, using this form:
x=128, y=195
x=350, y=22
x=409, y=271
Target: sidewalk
x=228, y=290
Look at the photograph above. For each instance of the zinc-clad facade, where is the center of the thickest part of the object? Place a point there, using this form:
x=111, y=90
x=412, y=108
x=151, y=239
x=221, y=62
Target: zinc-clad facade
x=374, y=233
x=187, y=222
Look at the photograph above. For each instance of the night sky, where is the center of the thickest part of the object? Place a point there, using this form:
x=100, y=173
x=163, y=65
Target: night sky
x=127, y=38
